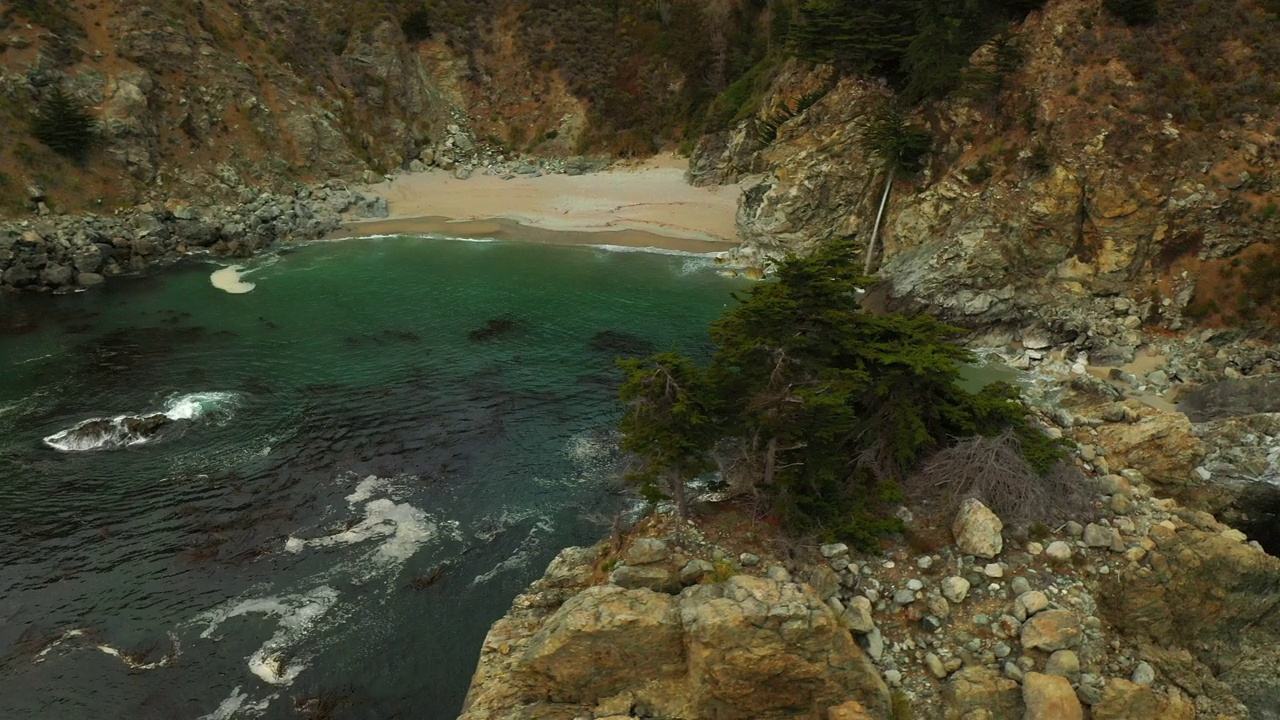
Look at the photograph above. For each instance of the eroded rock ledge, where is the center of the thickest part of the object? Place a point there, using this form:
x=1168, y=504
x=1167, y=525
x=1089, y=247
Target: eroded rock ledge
x=744, y=647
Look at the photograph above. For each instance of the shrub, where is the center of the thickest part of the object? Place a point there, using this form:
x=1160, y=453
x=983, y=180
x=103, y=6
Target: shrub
x=1133, y=12
x=63, y=124
x=416, y=26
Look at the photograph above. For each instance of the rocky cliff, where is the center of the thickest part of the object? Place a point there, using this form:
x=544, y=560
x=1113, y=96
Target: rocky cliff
x=1102, y=161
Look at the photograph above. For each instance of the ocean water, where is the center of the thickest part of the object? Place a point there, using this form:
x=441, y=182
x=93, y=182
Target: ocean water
x=314, y=497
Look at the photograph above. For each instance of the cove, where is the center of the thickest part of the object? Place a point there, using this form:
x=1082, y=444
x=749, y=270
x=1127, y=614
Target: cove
x=339, y=480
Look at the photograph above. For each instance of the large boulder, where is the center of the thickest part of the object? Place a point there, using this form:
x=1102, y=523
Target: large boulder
x=980, y=688
x=977, y=530
x=1050, y=697
x=759, y=647
x=1163, y=447
x=604, y=639
x=1206, y=590
x=1124, y=700
x=746, y=648
x=1052, y=630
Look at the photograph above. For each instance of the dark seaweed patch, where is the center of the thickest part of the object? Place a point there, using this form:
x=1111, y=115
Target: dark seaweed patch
x=496, y=328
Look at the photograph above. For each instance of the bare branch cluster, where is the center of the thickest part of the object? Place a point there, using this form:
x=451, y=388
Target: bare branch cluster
x=993, y=470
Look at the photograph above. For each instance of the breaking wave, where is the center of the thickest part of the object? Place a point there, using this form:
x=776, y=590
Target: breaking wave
x=124, y=431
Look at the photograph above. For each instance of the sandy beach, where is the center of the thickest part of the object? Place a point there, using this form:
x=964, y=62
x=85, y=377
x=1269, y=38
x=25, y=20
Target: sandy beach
x=646, y=205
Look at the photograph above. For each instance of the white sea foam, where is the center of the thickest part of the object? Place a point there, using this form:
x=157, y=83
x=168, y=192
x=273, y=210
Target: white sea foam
x=402, y=527
x=230, y=279
x=277, y=661
x=237, y=706
x=114, y=433
x=654, y=250
x=113, y=651
x=523, y=555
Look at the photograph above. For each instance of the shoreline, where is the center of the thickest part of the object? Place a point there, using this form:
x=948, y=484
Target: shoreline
x=646, y=205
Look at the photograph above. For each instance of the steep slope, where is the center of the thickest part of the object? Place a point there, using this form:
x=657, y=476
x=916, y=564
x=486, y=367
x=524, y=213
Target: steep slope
x=1108, y=160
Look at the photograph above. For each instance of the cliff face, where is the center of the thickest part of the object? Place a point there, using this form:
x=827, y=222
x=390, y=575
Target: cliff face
x=197, y=100
x=1084, y=174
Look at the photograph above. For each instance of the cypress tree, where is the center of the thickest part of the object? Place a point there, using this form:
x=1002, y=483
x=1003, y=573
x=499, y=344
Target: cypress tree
x=63, y=124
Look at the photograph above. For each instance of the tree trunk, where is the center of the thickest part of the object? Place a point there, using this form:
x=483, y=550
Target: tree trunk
x=770, y=461
x=875, y=231
x=677, y=496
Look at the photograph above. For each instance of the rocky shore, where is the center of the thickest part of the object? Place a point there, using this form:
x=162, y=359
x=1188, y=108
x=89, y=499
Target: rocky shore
x=1145, y=610
x=56, y=253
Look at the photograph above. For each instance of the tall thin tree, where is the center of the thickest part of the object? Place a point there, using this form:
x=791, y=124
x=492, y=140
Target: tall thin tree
x=900, y=146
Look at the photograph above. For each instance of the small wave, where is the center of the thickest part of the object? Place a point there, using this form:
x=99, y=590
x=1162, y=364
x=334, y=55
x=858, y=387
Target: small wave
x=114, y=652
x=124, y=431
x=654, y=250
x=523, y=554
x=237, y=705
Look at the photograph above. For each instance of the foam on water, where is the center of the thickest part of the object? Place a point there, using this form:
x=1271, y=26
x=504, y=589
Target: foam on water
x=112, y=651
x=403, y=528
x=236, y=705
x=298, y=614
x=653, y=250
x=230, y=279
x=523, y=555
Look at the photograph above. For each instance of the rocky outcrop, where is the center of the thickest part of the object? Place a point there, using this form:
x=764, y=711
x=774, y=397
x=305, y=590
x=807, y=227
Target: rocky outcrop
x=1044, y=202
x=58, y=253
x=747, y=647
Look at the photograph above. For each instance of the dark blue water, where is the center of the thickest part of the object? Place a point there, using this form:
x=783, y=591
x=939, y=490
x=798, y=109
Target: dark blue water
x=361, y=462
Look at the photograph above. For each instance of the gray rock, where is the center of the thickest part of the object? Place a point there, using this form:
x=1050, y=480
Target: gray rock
x=56, y=275
x=1020, y=585
x=934, y=663
x=651, y=577
x=1144, y=674
x=645, y=551
x=778, y=573
x=834, y=550
x=1064, y=663
x=955, y=589
x=857, y=616
x=1029, y=603
x=695, y=570
x=751, y=560
x=873, y=644
x=89, y=279
x=824, y=581
x=1098, y=536
x=977, y=530
x=903, y=597
x=1058, y=551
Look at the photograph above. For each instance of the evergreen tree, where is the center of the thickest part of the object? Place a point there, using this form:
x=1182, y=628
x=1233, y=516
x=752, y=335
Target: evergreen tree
x=901, y=148
x=64, y=125
x=1134, y=12
x=668, y=424
x=830, y=407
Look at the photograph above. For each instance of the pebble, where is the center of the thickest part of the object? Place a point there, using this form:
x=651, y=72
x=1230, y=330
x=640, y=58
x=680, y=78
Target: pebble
x=1002, y=650
x=1058, y=551
x=904, y=597
x=925, y=562
x=1144, y=674
x=1020, y=585
x=934, y=663
x=749, y=559
x=915, y=584
x=833, y=550
x=993, y=570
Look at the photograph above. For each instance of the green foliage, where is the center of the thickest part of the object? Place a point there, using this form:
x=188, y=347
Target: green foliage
x=416, y=26
x=900, y=144
x=1039, y=161
x=921, y=46
x=63, y=124
x=832, y=406
x=668, y=422
x=1133, y=12
x=52, y=14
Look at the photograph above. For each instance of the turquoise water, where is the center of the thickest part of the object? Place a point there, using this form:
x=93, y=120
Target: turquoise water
x=358, y=465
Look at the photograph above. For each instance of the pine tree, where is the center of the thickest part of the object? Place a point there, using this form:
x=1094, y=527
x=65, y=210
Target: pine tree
x=901, y=147
x=64, y=125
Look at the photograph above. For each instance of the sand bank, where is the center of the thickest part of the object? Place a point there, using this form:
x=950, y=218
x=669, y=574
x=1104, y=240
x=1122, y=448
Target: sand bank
x=646, y=205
